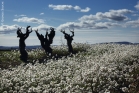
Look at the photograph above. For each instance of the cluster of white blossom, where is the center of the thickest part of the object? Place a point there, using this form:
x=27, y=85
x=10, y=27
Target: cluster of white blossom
x=102, y=68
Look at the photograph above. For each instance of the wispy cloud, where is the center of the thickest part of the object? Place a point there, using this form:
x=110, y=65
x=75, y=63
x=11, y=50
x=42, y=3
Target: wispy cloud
x=68, y=7
x=41, y=13
x=29, y=20
x=19, y=15
x=135, y=14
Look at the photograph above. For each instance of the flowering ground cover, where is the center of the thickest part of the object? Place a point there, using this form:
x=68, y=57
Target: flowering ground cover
x=99, y=68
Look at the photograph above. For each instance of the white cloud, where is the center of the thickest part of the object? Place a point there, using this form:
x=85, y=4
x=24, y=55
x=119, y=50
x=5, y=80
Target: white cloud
x=60, y=7
x=133, y=23
x=29, y=20
x=137, y=6
x=77, y=8
x=99, y=20
x=87, y=9
x=88, y=25
x=69, y=25
x=88, y=17
x=121, y=11
x=7, y=29
x=116, y=15
x=68, y=7
x=41, y=27
x=41, y=13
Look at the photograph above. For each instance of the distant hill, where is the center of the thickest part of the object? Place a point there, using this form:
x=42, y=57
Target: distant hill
x=127, y=43
x=124, y=42
x=38, y=46
x=17, y=47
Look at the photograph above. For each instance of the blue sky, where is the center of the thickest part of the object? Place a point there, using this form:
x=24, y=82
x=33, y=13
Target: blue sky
x=94, y=21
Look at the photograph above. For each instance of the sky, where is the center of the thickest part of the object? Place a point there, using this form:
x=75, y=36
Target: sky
x=93, y=21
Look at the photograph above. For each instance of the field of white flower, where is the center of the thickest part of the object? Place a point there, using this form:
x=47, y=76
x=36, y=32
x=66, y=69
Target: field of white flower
x=101, y=68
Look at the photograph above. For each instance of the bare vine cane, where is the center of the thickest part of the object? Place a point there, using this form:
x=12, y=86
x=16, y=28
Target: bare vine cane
x=47, y=43
x=51, y=35
x=41, y=38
